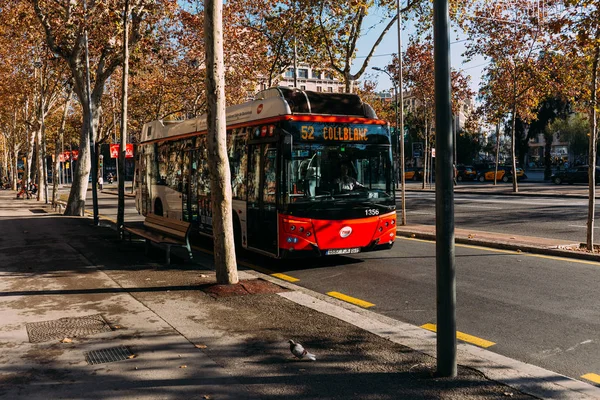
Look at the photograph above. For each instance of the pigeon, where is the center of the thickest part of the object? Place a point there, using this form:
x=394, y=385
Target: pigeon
x=300, y=352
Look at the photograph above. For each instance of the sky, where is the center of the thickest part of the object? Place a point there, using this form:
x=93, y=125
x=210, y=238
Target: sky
x=389, y=46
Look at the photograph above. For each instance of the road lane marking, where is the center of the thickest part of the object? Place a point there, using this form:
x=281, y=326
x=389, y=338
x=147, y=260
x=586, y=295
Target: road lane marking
x=464, y=337
x=349, y=299
x=592, y=377
x=513, y=252
x=582, y=226
x=285, y=277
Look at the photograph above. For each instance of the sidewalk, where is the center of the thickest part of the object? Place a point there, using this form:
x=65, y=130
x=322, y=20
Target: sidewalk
x=69, y=289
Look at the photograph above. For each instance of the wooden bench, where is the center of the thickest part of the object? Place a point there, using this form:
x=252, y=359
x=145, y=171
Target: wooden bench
x=163, y=231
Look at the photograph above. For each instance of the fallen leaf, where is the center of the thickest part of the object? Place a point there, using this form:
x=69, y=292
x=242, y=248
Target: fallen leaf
x=207, y=397
x=413, y=235
x=508, y=394
x=513, y=237
x=66, y=340
x=183, y=366
x=518, y=250
x=132, y=356
x=117, y=326
x=200, y=346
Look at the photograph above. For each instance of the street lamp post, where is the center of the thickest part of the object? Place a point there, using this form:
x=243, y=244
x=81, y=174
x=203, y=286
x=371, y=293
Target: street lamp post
x=399, y=139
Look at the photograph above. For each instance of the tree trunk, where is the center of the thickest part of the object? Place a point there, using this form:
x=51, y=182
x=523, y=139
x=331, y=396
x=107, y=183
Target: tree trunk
x=425, y=155
x=220, y=175
x=497, y=152
x=77, y=195
x=593, y=139
x=548, y=139
x=123, y=142
x=40, y=165
x=512, y=147
x=57, y=149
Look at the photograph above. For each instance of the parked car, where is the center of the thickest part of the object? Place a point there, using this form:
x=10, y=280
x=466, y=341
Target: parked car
x=504, y=174
x=577, y=174
x=507, y=177
x=465, y=173
x=413, y=174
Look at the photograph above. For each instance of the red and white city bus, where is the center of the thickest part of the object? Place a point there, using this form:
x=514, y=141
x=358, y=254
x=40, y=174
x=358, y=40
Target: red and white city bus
x=311, y=174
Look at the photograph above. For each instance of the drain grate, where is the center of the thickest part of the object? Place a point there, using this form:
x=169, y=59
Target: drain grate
x=38, y=211
x=108, y=355
x=66, y=328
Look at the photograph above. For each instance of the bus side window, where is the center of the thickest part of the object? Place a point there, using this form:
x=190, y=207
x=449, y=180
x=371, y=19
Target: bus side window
x=253, y=174
x=236, y=149
x=270, y=176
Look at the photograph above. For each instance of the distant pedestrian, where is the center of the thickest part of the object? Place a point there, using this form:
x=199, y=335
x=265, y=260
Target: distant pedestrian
x=100, y=182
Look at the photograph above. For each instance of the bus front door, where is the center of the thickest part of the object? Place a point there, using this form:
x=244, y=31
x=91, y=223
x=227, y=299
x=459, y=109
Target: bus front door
x=262, y=210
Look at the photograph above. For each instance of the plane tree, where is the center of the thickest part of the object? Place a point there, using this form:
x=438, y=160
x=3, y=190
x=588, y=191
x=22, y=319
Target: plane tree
x=65, y=25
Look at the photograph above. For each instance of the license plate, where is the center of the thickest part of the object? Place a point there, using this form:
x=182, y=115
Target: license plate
x=342, y=251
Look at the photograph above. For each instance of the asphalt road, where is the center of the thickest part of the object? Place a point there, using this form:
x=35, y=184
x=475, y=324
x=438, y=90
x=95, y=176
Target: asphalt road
x=549, y=217
x=537, y=309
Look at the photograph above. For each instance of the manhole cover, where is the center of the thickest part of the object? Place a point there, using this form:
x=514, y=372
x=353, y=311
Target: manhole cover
x=108, y=355
x=66, y=328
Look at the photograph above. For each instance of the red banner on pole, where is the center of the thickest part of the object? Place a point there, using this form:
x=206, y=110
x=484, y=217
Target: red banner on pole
x=114, y=151
x=129, y=150
x=75, y=154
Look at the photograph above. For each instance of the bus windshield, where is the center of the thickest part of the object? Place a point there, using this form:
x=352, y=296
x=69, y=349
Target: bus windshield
x=349, y=170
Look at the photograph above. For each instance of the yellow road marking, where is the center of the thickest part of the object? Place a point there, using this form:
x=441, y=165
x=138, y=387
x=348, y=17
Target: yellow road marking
x=463, y=336
x=592, y=377
x=514, y=252
x=285, y=277
x=353, y=300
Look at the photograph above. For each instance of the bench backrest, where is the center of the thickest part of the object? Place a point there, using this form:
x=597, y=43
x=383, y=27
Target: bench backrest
x=167, y=226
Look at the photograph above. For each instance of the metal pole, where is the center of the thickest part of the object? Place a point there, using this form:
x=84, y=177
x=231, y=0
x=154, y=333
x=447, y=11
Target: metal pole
x=123, y=143
x=444, y=196
x=401, y=127
x=88, y=85
x=295, y=50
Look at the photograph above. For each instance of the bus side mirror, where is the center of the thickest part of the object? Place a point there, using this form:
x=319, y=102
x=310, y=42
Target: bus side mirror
x=286, y=146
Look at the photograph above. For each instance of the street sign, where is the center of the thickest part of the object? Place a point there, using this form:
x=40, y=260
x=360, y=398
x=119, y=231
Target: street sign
x=417, y=149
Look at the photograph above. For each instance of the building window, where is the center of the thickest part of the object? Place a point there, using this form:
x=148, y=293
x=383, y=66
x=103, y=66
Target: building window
x=303, y=73
x=330, y=89
x=319, y=89
x=328, y=75
x=289, y=73
x=316, y=74
x=341, y=89
x=302, y=87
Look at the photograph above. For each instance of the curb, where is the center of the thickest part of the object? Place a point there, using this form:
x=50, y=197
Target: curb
x=556, y=252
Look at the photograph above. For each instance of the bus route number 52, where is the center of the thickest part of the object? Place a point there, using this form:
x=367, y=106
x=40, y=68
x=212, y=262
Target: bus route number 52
x=307, y=132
